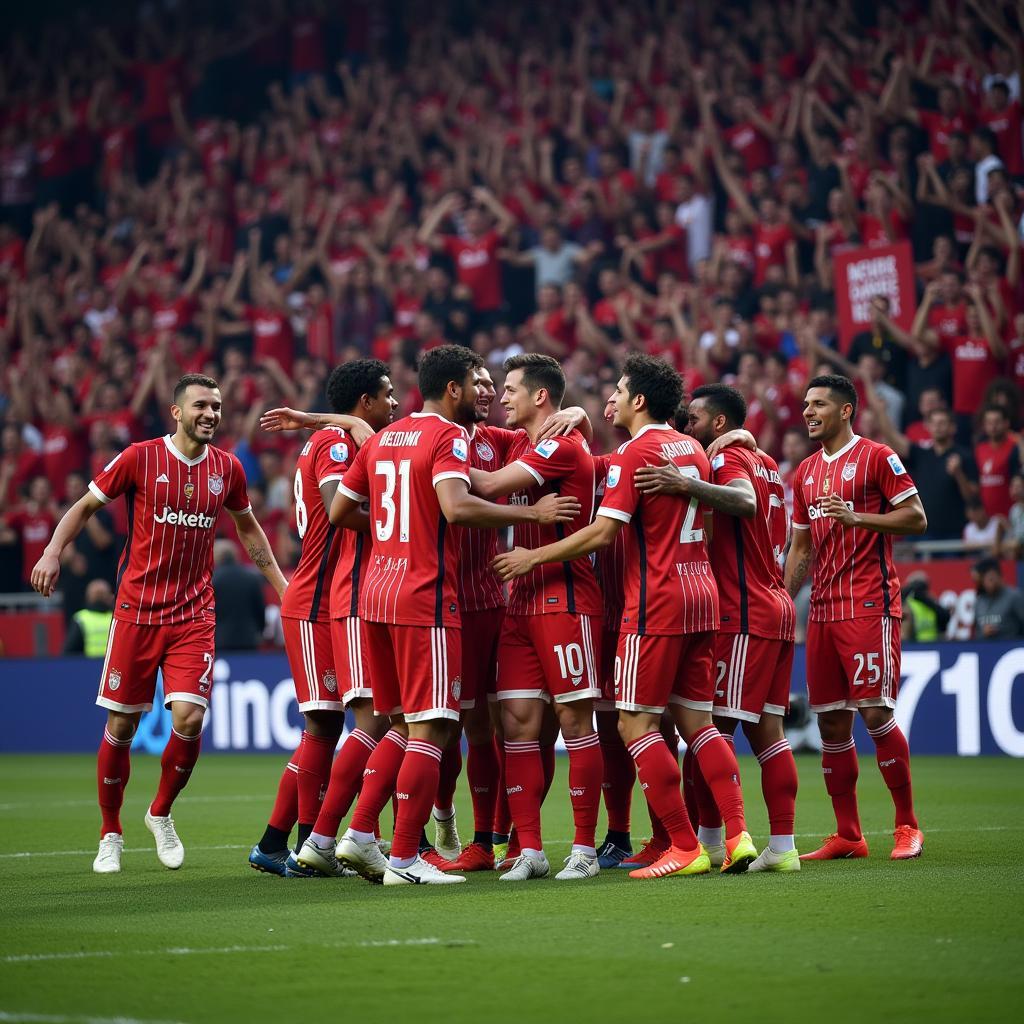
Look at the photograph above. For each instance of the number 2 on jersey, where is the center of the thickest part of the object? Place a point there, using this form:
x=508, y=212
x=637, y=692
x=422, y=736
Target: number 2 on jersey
x=688, y=535
x=394, y=475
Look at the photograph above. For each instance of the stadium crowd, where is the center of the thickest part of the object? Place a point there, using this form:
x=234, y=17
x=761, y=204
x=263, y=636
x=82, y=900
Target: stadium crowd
x=284, y=186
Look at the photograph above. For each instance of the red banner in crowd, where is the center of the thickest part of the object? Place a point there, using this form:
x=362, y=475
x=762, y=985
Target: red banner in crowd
x=860, y=274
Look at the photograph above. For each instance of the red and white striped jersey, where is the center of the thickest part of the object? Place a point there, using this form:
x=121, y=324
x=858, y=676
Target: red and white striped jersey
x=854, y=576
x=479, y=586
x=412, y=575
x=669, y=586
x=324, y=458
x=610, y=562
x=745, y=552
x=559, y=465
x=173, y=504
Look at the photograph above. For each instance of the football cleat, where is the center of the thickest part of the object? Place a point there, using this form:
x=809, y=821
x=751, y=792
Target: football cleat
x=446, y=837
x=363, y=858
x=293, y=869
x=740, y=853
x=169, y=850
x=108, y=857
x=269, y=863
x=432, y=857
x=651, y=851
x=317, y=860
x=419, y=872
x=835, y=847
x=716, y=854
x=676, y=862
x=769, y=860
x=579, y=865
x=611, y=856
x=474, y=857
x=909, y=843
x=526, y=867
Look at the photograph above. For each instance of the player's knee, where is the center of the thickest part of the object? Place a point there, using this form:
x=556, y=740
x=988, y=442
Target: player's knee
x=609, y=724
x=324, y=723
x=399, y=724
x=726, y=726
x=631, y=727
x=187, y=719
x=689, y=721
x=575, y=721
x=122, y=726
x=835, y=726
x=477, y=727
x=764, y=733
x=875, y=718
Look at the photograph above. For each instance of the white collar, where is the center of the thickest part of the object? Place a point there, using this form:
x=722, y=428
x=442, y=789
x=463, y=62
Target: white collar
x=182, y=458
x=842, y=451
x=650, y=426
x=436, y=415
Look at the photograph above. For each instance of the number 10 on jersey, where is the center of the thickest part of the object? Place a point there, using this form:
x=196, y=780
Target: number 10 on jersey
x=394, y=475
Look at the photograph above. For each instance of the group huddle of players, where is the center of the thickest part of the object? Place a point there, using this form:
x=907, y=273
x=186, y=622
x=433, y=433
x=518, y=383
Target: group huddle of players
x=663, y=612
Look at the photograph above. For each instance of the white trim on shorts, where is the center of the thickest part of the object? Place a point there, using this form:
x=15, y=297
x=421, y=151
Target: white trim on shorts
x=693, y=705
x=186, y=698
x=621, y=705
x=322, y=705
x=431, y=714
x=524, y=695
x=737, y=713
x=105, y=702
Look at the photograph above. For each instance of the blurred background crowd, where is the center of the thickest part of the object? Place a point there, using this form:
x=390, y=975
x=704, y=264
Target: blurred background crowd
x=262, y=190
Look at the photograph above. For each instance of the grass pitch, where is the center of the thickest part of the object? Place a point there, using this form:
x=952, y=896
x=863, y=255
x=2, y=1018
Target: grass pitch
x=936, y=939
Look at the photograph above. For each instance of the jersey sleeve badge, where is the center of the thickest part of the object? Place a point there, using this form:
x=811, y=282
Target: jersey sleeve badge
x=895, y=465
x=547, y=448
x=613, y=476
x=460, y=449
x=339, y=452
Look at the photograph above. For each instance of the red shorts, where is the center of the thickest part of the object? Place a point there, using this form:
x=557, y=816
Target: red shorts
x=854, y=663
x=548, y=656
x=350, y=665
x=752, y=675
x=481, y=631
x=182, y=652
x=311, y=658
x=652, y=672
x=415, y=670
x=609, y=645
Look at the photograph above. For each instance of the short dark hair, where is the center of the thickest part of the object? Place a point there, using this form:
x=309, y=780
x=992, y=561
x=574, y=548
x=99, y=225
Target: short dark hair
x=841, y=386
x=539, y=371
x=185, y=382
x=350, y=381
x=681, y=417
x=658, y=382
x=987, y=564
x=724, y=400
x=442, y=365
x=994, y=407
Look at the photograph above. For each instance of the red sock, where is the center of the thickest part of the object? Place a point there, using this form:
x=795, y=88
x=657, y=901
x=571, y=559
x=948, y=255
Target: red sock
x=483, y=774
x=708, y=814
x=346, y=778
x=779, y=783
x=502, y=824
x=379, y=778
x=524, y=783
x=113, y=766
x=893, y=753
x=451, y=768
x=717, y=764
x=415, y=788
x=179, y=758
x=839, y=766
x=618, y=782
x=659, y=775
x=547, y=760
x=690, y=790
x=585, y=773
x=286, y=804
x=314, y=764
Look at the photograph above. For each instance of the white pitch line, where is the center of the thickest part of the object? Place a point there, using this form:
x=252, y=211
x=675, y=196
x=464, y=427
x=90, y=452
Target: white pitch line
x=109, y=954
x=24, y=854
x=52, y=1018
x=213, y=799
x=103, y=954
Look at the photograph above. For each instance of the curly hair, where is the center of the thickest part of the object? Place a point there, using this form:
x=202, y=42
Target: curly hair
x=350, y=381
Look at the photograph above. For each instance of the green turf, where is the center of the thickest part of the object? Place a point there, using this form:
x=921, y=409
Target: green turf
x=936, y=939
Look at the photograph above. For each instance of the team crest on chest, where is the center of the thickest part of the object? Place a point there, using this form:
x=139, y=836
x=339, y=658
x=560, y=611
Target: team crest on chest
x=485, y=451
x=850, y=471
x=190, y=489
x=216, y=484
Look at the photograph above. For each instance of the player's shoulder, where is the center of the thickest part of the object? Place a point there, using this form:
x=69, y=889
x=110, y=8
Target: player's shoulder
x=336, y=441
x=430, y=425
x=808, y=466
x=880, y=452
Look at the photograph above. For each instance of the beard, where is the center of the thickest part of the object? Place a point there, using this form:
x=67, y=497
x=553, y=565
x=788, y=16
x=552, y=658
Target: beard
x=192, y=432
